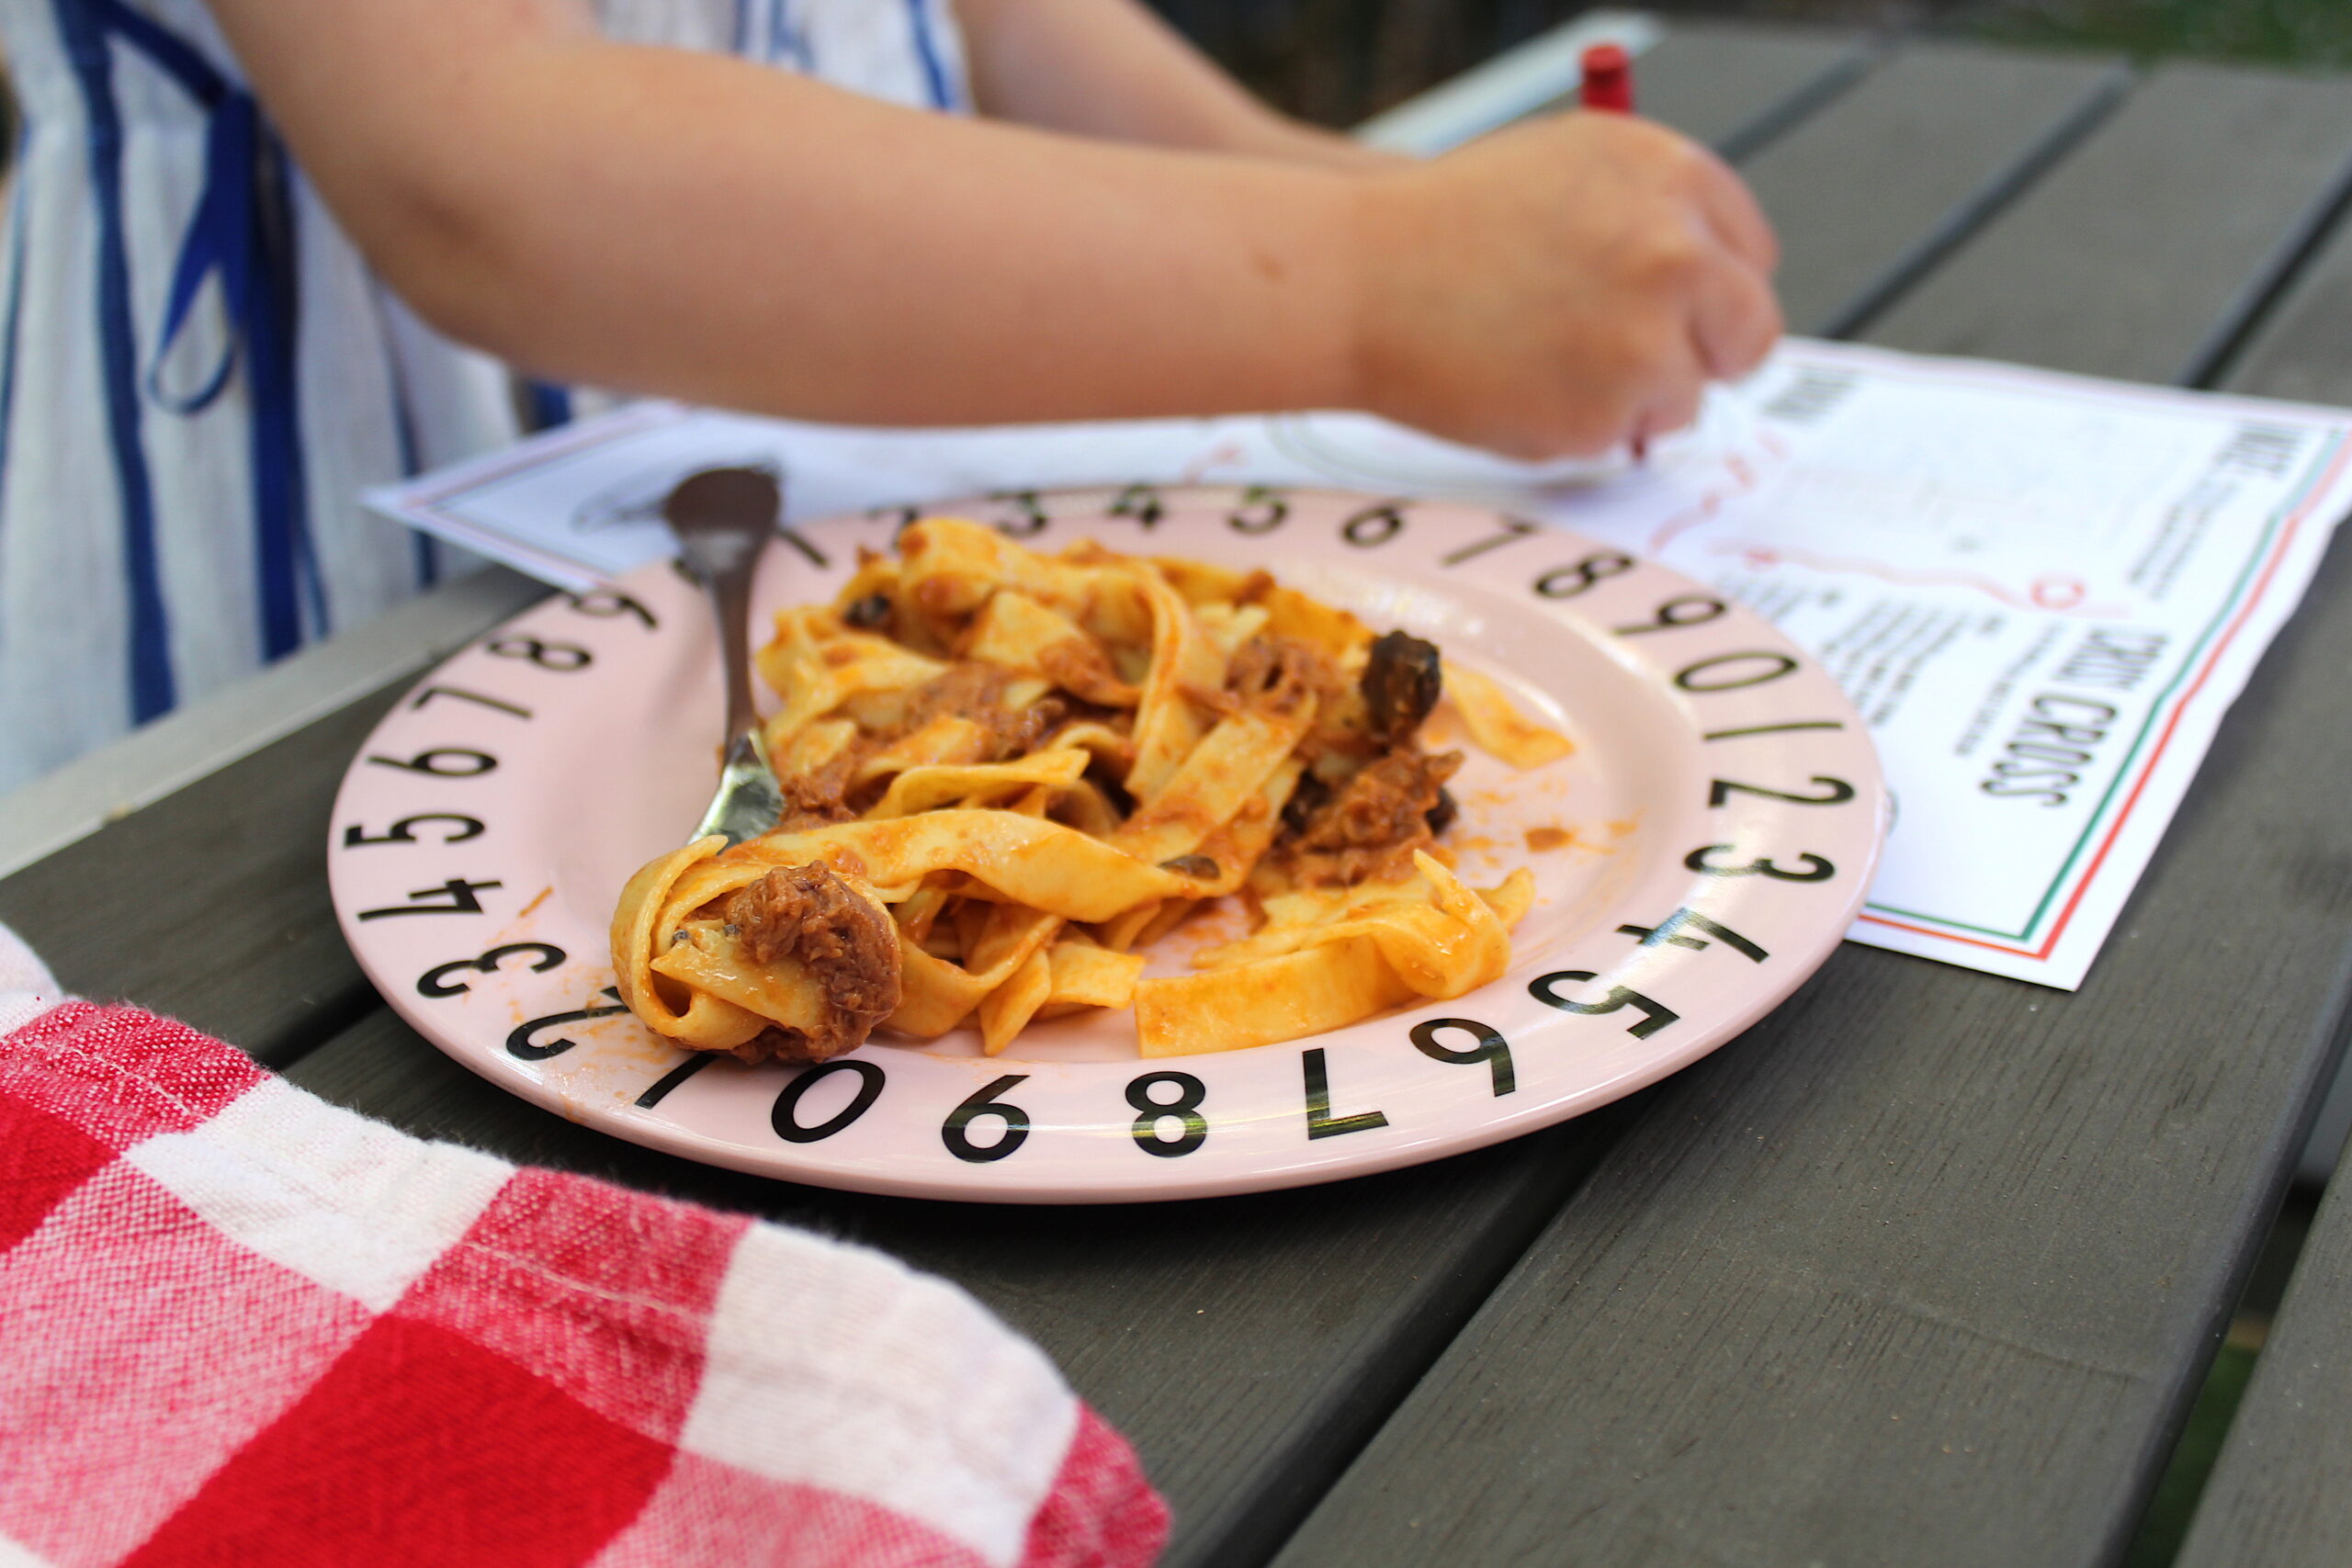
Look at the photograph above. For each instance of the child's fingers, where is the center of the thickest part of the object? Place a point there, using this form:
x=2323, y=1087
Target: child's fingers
x=1735, y=318
x=1731, y=210
x=1672, y=409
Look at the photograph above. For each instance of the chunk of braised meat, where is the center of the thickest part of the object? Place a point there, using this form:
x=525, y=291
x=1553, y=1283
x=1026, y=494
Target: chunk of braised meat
x=1441, y=814
x=1277, y=675
x=848, y=947
x=1369, y=825
x=967, y=689
x=975, y=691
x=829, y=793
x=1400, y=684
x=813, y=799
x=1305, y=799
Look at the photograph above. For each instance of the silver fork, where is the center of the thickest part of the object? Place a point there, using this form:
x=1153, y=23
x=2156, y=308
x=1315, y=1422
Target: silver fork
x=721, y=518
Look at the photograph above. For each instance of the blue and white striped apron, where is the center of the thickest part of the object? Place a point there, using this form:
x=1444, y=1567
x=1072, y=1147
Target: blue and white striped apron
x=198, y=374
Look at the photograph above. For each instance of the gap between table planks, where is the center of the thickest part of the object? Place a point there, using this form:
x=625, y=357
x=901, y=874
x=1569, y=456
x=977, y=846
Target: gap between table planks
x=2276, y=1495
x=1929, y=1265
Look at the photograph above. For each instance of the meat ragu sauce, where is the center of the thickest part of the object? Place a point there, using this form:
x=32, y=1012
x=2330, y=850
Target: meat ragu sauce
x=1210, y=731
x=1369, y=798
x=806, y=913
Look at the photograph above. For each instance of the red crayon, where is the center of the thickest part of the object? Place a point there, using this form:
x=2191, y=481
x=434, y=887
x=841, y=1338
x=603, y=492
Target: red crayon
x=1608, y=79
x=1608, y=88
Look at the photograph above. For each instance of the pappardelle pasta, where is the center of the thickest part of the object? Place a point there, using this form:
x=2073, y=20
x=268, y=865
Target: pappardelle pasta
x=1006, y=774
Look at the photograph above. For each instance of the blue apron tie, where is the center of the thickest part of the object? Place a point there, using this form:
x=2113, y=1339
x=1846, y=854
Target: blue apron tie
x=935, y=69
x=218, y=240
x=241, y=241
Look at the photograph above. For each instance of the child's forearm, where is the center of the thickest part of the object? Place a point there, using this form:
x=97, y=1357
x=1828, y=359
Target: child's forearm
x=695, y=226
x=1112, y=68
x=692, y=225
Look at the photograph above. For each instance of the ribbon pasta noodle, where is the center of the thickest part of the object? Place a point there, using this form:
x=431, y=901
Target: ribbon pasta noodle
x=1006, y=772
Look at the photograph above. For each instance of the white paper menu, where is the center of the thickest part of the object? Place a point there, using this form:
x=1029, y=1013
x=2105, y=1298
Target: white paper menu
x=2043, y=592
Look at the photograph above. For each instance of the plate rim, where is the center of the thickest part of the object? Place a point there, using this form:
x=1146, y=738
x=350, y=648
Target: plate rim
x=1154, y=1181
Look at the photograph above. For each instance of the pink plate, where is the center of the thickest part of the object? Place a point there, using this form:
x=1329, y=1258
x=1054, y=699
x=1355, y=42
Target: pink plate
x=1697, y=856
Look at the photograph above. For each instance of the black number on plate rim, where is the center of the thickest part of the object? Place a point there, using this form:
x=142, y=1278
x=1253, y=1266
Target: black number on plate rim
x=356, y=834
x=1513, y=528
x=1185, y=1108
x=1140, y=501
x=456, y=890
x=1682, y=610
x=1837, y=791
x=1276, y=510
x=520, y=1044
x=953, y=1132
x=561, y=658
x=604, y=603
x=499, y=705
x=427, y=762
x=1031, y=518
x=1490, y=1047
x=1817, y=868
x=658, y=1089
x=1568, y=581
x=1654, y=1015
x=1776, y=666
x=785, y=1117
x=1316, y=1067
x=1375, y=525
x=435, y=982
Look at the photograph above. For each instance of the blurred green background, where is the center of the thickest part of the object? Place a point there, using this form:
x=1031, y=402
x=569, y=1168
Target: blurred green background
x=1337, y=61
x=2297, y=32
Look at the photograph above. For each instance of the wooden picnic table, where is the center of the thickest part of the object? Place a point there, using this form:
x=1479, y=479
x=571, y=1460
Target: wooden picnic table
x=1924, y=1268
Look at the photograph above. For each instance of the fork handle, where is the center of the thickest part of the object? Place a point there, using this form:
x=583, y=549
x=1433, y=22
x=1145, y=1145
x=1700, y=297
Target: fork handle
x=730, y=598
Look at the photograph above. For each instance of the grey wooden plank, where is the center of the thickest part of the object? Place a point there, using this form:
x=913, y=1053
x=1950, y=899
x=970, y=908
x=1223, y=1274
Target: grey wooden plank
x=2276, y=1497
x=1734, y=85
x=1248, y=1346
x=208, y=735
x=211, y=904
x=2140, y=255
x=1927, y=1266
x=1867, y=197
x=2299, y=349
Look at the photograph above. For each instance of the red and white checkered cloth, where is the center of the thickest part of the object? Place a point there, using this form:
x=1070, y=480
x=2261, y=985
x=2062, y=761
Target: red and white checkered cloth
x=242, y=1326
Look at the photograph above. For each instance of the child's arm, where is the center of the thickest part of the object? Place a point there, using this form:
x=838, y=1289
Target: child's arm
x=698, y=226
x=1112, y=68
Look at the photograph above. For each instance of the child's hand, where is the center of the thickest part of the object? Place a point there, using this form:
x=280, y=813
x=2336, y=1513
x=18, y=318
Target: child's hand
x=1560, y=288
